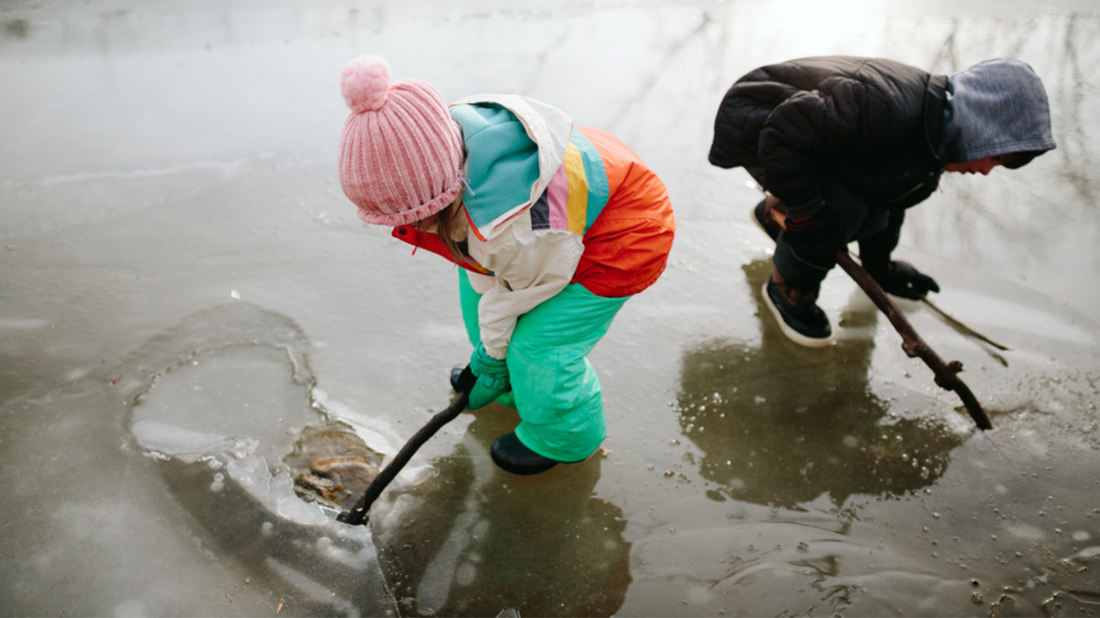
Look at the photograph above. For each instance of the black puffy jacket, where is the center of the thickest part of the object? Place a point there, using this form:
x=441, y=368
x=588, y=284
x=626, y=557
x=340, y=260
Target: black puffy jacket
x=873, y=124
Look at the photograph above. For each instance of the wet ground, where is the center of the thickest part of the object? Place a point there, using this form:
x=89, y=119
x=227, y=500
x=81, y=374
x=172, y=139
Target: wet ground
x=186, y=299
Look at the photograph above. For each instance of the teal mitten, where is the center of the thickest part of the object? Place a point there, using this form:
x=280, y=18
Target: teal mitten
x=492, y=378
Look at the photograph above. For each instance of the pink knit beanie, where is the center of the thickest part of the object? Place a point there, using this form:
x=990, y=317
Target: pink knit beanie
x=400, y=152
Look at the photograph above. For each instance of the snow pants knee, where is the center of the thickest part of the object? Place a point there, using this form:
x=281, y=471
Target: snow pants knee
x=556, y=389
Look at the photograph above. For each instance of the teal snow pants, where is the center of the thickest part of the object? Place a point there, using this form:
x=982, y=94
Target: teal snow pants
x=556, y=390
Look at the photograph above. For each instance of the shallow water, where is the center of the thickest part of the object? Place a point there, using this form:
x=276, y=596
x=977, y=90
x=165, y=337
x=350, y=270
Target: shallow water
x=185, y=292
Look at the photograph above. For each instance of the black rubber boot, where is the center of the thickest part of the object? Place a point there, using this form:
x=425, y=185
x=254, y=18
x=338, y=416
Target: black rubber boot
x=510, y=455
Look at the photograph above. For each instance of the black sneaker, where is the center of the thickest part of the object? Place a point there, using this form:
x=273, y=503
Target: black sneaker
x=762, y=220
x=807, y=325
x=510, y=455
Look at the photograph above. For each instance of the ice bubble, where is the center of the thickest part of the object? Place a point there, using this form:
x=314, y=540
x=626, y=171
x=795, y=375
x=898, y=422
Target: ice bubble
x=133, y=607
x=1088, y=553
x=1026, y=531
x=76, y=374
x=466, y=574
x=22, y=323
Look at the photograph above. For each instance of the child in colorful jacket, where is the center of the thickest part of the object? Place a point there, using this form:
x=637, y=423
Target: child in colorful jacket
x=555, y=228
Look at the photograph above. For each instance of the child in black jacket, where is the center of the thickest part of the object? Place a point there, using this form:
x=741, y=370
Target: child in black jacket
x=843, y=145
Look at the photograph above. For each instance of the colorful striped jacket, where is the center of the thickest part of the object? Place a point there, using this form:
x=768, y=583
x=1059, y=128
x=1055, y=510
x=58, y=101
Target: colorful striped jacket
x=548, y=205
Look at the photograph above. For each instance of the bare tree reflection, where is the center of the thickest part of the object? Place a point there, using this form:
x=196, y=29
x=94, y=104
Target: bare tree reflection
x=1013, y=208
x=475, y=541
x=1074, y=95
x=781, y=425
x=16, y=28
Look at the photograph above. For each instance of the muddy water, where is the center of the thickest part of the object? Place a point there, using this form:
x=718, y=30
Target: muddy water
x=185, y=297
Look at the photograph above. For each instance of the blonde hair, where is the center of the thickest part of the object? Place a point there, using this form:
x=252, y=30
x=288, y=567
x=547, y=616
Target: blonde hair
x=447, y=227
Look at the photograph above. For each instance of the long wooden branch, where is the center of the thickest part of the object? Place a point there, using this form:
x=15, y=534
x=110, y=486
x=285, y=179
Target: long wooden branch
x=946, y=373
x=967, y=330
x=358, y=514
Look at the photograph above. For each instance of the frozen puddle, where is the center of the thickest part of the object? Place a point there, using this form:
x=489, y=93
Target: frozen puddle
x=238, y=397
x=221, y=400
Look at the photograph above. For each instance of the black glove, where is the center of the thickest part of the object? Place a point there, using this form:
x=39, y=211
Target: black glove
x=901, y=279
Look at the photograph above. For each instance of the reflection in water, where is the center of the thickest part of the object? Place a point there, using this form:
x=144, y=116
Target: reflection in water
x=781, y=425
x=475, y=540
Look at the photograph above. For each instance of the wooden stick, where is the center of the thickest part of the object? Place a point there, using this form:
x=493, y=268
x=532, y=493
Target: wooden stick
x=358, y=514
x=960, y=326
x=952, y=320
x=946, y=373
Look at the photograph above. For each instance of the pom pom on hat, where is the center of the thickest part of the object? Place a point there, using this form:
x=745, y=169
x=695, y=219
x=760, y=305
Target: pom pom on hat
x=365, y=83
x=400, y=156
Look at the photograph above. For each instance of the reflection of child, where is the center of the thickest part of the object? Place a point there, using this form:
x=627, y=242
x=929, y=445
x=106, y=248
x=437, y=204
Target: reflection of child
x=845, y=145
x=555, y=226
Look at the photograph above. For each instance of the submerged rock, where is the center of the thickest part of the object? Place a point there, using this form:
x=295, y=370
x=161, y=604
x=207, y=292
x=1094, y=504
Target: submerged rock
x=332, y=466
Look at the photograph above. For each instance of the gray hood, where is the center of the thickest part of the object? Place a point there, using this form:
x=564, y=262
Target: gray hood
x=994, y=108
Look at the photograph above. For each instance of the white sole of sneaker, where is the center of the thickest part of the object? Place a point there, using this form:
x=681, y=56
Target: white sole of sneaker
x=791, y=333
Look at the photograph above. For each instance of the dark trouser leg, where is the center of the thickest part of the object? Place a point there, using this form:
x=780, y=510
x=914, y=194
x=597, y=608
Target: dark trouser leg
x=803, y=258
